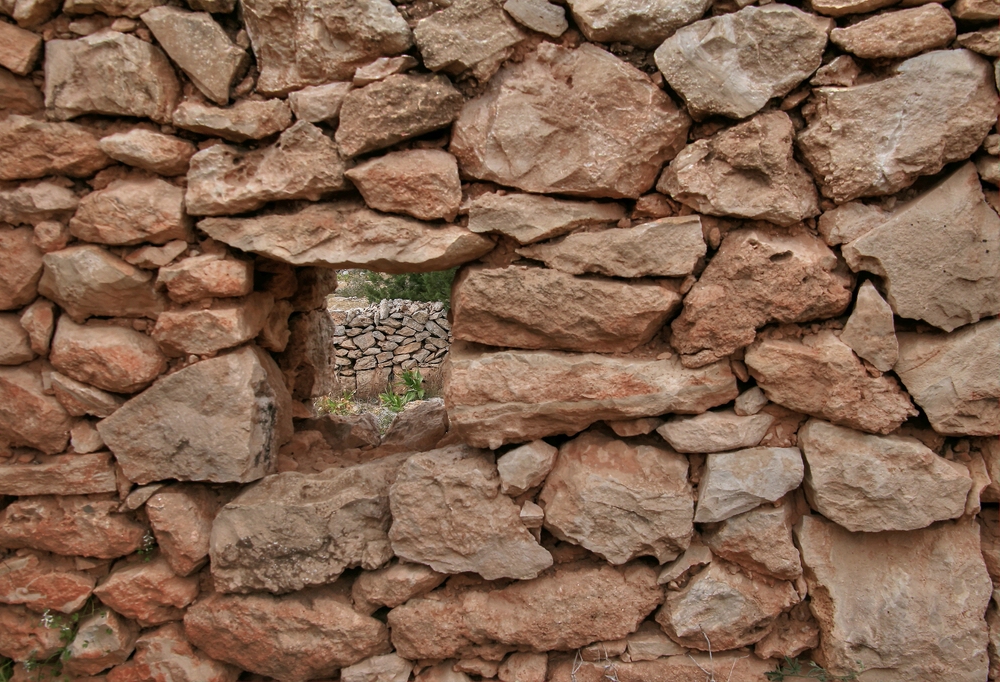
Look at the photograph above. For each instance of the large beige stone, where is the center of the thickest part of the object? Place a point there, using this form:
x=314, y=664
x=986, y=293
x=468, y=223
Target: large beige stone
x=345, y=234
x=73, y=474
x=640, y=23
x=165, y=654
x=497, y=397
x=612, y=112
x=387, y=668
x=27, y=415
x=247, y=119
x=877, y=138
x=448, y=513
x=113, y=358
x=217, y=420
x=393, y=585
x=735, y=482
x=204, y=331
x=43, y=581
x=568, y=607
x=210, y=275
x=109, y=73
x=131, y=212
x=955, y=377
x=147, y=591
x=868, y=591
x=619, y=500
x=759, y=540
x=715, y=431
x=152, y=151
x=530, y=218
x=181, y=517
x=423, y=183
x=303, y=636
x=298, y=43
x=531, y=307
x=33, y=149
x=35, y=202
x=821, y=376
x=525, y=467
x=20, y=268
x=734, y=63
x=729, y=666
x=870, y=331
x=318, y=103
x=896, y=35
x=467, y=34
x=759, y=275
x=668, y=247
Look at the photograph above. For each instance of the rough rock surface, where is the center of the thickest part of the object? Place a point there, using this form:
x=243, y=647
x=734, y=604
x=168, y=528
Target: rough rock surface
x=467, y=34
x=735, y=482
x=423, y=183
x=181, y=517
x=73, y=474
x=112, y=358
x=717, y=431
x=15, y=344
x=896, y=35
x=530, y=218
x=79, y=399
x=612, y=112
x=525, y=467
x=619, y=500
x=33, y=149
x=211, y=275
x=387, y=668
x=44, y=582
x=27, y=415
x=24, y=638
x=147, y=591
x=20, y=268
x=870, y=331
x=319, y=102
x=132, y=212
x=36, y=202
x=643, y=24
x=759, y=540
x=152, y=151
x=19, y=49
x=448, y=513
x=737, y=667
x=244, y=120
x=165, y=654
x=226, y=324
x=101, y=640
x=538, y=15
x=393, y=585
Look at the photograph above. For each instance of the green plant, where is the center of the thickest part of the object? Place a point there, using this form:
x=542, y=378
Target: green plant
x=792, y=669
x=413, y=286
x=342, y=406
x=413, y=380
x=68, y=627
x=6, y=669
x=392, y=401
x=410, y=388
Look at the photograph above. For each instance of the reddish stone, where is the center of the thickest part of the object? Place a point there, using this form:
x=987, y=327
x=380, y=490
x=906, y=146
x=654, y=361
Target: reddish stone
x=147, y=591
x=44, y=582
x=181, y=516
x=208, y=276
x=28, y=416
x=165, y=655
x=73, y=474
x=20, y=267
x=24, y=638
x=110, y=357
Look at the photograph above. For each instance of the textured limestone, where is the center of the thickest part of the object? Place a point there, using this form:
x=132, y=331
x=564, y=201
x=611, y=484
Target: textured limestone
x=750, y=401
x=153, y=257
x=612, y=112
x=793, y=633
x=101, y=640
x=530, y=218
x=976, y=10
x=538, y=15
x=419, y=427
x=44, y=581
x=211, y=275
x=165, y=654
x=735, y=482
x=112, y=358
x=736, y=666
x=423, y=183
x=718, y=431
x=15, y=344
x=28, y=416
x=114, y=8
x=79, y=399
x=466, y=35
x=985, y=41
x=19, y=49
x=181, y=517
x=73, y=474
x=152, y=151
x=759, y=540
x=244, y=120
x=319, y=102
x=131, y=212
x=33, y=149
x=19, y=95
x=643, y=24
x=20, y=268
x=23, y=637
x=147, y=591
x=896, y=35
x=387, y=668
x=393, y=585
x=525, y=467
x=38, y=322
x=382, y=68
x=870, y=331
x=226, y=324
x=36, y=202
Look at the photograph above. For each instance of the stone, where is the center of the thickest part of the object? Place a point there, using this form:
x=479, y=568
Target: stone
x=87, y=280
x=529, y=218
x=695, y=556
x=839, y=8
x=19, y=49
x=33, y=149
x=147, y=591
x=76, y=78
x=442, y=672
x=73, y=474
x=345, y=234
x=954, y=377
x=467, y=35
x=758, y=276
x=293, y=530
x=165, y=654
x=297, y=637
x=976, y=10
x=84, y=438
x=734, y=63
x=132, y=212
x=523, y=667
x=858, y=603
x=985, y=41
x=24, y=638
x=101, y=640
x=668, y=247
x=51, y=236
x=19, y=95
x=821, y=376
x=228, y=323
x=568, y=607
x=113, y=358
x=418, y=428
x=532, y=516
x=870, y=330
x=530, y=307
x=20, y=268
x=423, y=183
x=28, y=416
x=862, y=141
x=387, y=668
x=645, y=25
x=990, y=540
x=952, y=225
x=148, y=150
x=73, y=525
x=319, y=102
x=299, y=44
x=619, y=500
x=989, y=450
x=525, y=467
x=611, y=112
x=718, y=431
x=303, y=164
x=395, y=109
x=626, y=428
x=15, y=345
x=751, y=401
x=393, y=585
x=200, y=47
x=37, y=202
x=732, y=666
x=538, y=15
x=31, y=13
x=154, y=257
x=114, y=8
x=759, y=540
x=746, y=171
x=792, y=633
x=44, y=582
x=244, y=120
x=842, y=71
x=211, y=275
x=899, y=34
x=447, y=513
x=79, y=399
x=735, y=482
x=181, y=517
x=382, y=68
x=649, y=643
x=563, y=393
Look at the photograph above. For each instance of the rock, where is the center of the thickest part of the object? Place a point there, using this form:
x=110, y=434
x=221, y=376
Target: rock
x=447, y=513
x=244, y=120
x=74, y=525
x=319, y=102
x=299, y=44
x=19, y=95
x=718, y=431
x=345, y=234
x=975, y=10
x=842, y=71
x=200, y=47
x=870, y=331
x=896, y=35
x=985, y=41
x=442, y=672
x=294, y=638
x=990, y=540
x=152, y=151
x=211, y=275
x=51, y=236
x=525, y=467
x=735, y=482
x=79, y=399
x=751, y=401
x=632, y=134
x=734, y=63
x=529, y=307
x=387, y=668
x=28, y=417
x=467, y=34
x=147, y=591
x=626, y=428
x=952, y=225
x=114, y=8
x=153, y=257
x=101, y=640
x=44, y=582
x=861, y=141
x=645, y=25
x=721, y=608
x=60, y=475
x=953, y=378
x=819, y=375
x=20, y=268
x=33, y=149
x=77, y=82
x=228, y=323
x=165, y=654
x=423, y=183
x=418, y=428
x=36, y=202
x=529, y=218
x=393, y=585
x=619, y=500
x=857, y=602
x=523, y=667
x=87, y=280
x=562, y=393
x=24, y=638
x=15, y=345
x=668, y=247
x=839, y=8
x=759, y=540
x=793, y=633
x=395, y=109
x=568, y=607
x=649, y=643
x=758, y=276
x=382, y=68
x=181, y=517
x=538, y=15
x=293, y=531
x=19, y=49
x=735, y=666
x=109, y=357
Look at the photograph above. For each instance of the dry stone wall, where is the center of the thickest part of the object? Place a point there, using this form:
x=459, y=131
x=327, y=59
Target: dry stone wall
x=725, y=380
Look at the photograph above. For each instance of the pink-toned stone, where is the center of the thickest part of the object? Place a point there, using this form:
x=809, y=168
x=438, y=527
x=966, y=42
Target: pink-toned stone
x=382, y=68
x=147, y=591
x=20, y=267
x=393, y=585
x=181, y=517
x=19, y=49
x=793, y=633
x=113, y=358
x=27, y=415
x=423, y=183
x=530, y=218
x=319, y=102
x=81, y=399
x=896, y=35
x=732, y=667
x=102, y=640
x=154, y=257
x=33, y=149
x=759, y=540
x=523, y=667
x=73, y=474
x=44, y=582
x=51, y=236
x=245, y=120
x=525, y=467
x=32, y=203
x=165, y=655
x=870, y=330
x=24, y=638
x=131, y=212
x=204, y=331
x=39, y=321
x=468, y=35
x=207, y=276
x=15, y=346
x=19, y=95
x=149, y=150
